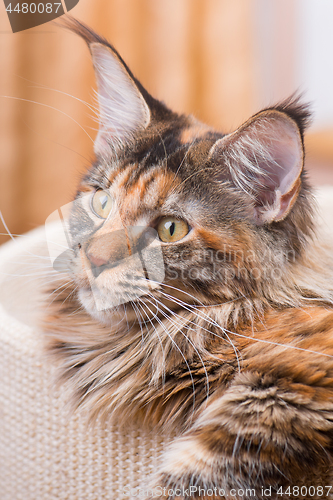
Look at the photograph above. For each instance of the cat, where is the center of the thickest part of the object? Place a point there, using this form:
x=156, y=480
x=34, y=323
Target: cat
x=199, y=299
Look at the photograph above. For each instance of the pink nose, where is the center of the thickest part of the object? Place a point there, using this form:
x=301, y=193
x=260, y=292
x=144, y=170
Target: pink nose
x=96, y=261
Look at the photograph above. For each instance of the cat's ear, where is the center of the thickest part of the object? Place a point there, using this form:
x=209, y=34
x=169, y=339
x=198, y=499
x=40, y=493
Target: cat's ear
x=264, y=158
x=123, y=108
x=123, y=111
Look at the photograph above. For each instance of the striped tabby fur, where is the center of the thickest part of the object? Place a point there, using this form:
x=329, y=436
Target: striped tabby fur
x=233, y=351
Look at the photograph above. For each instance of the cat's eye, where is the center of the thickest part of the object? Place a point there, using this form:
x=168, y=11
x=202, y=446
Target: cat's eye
x=170, y=229
x=101, y=204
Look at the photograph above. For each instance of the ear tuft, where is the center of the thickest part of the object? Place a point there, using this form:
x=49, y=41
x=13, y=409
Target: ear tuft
x=297, y=110
x=265, y=159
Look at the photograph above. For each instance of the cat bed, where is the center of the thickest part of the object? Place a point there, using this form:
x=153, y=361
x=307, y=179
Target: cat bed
x=46, y=452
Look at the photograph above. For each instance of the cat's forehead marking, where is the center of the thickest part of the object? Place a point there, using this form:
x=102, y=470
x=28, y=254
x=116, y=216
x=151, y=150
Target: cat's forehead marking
x=160, y=186
x=148, y=193
x=121, y=177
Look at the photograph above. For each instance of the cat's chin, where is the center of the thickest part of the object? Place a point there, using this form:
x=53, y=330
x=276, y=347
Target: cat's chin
x=109, y=316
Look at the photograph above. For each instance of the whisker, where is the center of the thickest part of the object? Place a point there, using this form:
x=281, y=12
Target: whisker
x=287, y=346
x=209, y=320
x=38, y=85
x=79, y=309
x=50, y=107
x=184, y=335
x=63, y=287
x=254, y=339
x=180, y=166
x=6, y=227
x=182, y=355
x=163, y=144
x=187, y=178
x=89, y=106
x=28, y=236
x=226, y=331
x=140, y=304
x=140, y=320
x=70, y=295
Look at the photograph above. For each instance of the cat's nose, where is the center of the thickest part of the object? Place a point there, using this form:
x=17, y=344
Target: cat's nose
x=107, y=251
x=98, y=264
x=96, y=261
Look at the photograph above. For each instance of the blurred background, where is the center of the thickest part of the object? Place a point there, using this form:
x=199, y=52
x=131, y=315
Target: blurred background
x=221, y=60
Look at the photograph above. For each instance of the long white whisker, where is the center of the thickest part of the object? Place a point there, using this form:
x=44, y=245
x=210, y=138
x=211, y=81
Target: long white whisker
x=140, y=304
x=6, y=227
x=206, y=318
x=178, y=348
x=63, y=287
x=226, y=331
x=50, y=107
x=38, y=85
x=89, y=106
x=288, y=346
x=140, y=320
x=170, y=318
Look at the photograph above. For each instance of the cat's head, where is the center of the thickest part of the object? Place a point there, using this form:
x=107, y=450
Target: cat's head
x=172, y=211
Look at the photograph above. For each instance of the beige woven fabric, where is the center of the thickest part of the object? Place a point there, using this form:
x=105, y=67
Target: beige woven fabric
x=46, y=454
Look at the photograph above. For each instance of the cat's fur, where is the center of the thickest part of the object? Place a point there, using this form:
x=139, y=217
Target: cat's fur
x=234, y=350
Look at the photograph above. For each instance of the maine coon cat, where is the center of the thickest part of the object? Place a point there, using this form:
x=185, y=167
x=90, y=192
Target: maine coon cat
x=232, y=346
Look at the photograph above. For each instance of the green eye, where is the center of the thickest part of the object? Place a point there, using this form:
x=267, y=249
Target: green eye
x=101, y=204
x=170, y=229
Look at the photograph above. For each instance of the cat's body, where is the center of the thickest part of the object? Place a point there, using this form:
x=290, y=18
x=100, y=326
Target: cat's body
x=233, y=349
